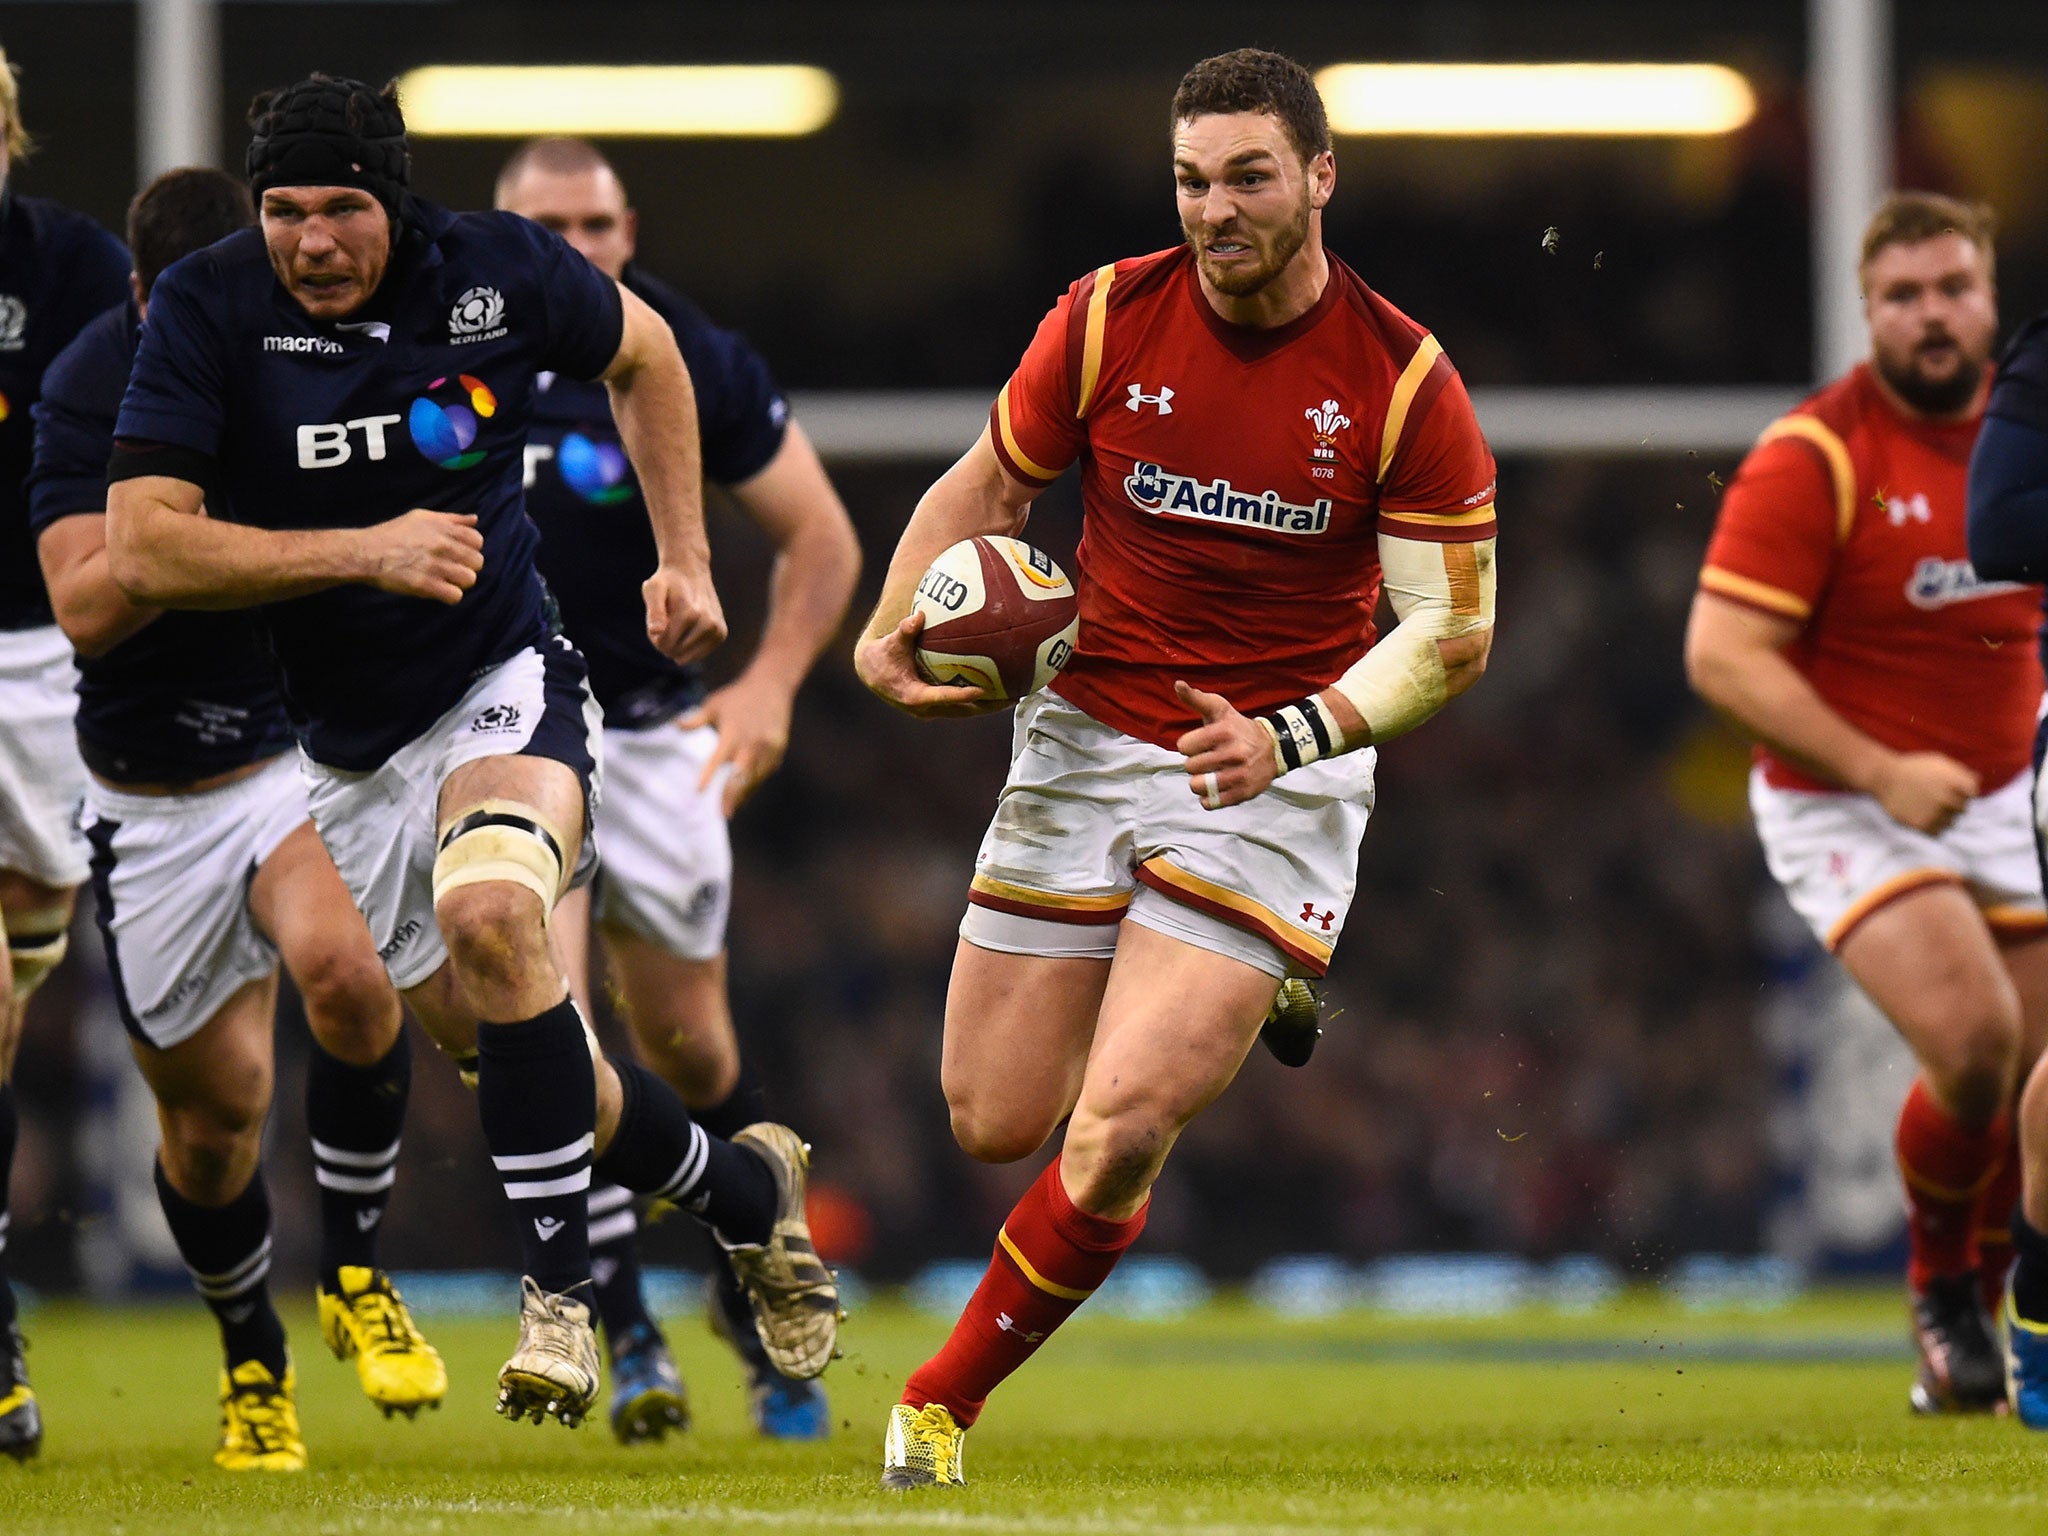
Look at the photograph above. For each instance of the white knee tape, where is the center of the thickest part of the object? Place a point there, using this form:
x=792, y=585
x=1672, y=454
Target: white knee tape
x=501, y=840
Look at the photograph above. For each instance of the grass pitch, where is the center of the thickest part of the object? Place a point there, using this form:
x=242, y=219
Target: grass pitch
x=1636, y=1419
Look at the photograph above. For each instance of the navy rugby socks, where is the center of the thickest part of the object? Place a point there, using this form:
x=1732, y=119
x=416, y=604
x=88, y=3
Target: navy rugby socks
x=659, y=1150
x=9, y=1124
x=615, y=1261
x=537, y=1097
x=2030, y=1273
x=227, y=1250
x=354, y=1115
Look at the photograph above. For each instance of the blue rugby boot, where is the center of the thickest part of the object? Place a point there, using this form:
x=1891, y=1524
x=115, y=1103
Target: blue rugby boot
x=648, y=1397
x=782, y=1407
x=2026, y=1367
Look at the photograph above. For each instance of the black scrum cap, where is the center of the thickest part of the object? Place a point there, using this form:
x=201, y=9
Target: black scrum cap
x=327, y=131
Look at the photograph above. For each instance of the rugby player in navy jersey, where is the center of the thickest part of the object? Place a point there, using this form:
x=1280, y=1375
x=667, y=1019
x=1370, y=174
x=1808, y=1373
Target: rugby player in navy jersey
x=206, y=873
x=2008, y=525
x=57, y=270
x=677, y=763
x=357, y=378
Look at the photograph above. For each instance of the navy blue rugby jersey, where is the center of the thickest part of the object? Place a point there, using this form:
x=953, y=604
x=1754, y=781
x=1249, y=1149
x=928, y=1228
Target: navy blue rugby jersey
x=58, y=269
x=189, y=695
x=421, y=399
x=597, y=546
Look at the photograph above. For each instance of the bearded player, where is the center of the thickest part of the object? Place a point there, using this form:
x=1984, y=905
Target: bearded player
x=1266, y=444
x=1892, y=693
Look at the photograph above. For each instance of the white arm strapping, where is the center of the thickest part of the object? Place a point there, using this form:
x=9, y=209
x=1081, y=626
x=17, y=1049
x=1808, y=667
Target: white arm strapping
x=1439, y=592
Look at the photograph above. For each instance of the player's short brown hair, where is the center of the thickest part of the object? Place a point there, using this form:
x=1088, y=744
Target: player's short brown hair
x=1253, y=80
x=19, y=144
x=1907, y=218
x=555, y=156
x=183, y=211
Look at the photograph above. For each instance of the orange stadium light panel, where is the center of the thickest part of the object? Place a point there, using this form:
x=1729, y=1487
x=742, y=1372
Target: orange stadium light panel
x=618, y=101
x=1562, y=100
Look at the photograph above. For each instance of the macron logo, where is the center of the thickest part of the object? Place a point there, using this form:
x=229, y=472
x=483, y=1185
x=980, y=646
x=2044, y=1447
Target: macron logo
x=324, y=345
x=547, y=1227
x=368, y=1217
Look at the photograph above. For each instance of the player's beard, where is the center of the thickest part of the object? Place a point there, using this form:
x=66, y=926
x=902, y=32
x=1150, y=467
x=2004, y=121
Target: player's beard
x=1931, y=396
x=1242, y=281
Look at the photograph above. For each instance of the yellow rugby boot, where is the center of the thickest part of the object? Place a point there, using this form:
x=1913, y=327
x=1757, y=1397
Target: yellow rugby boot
x=554, y=1369
x=793, y=1296
x=259, y=1421
x=922, y=1448
x=367, y=1321
x=21, y=1421
x=1294, y=1023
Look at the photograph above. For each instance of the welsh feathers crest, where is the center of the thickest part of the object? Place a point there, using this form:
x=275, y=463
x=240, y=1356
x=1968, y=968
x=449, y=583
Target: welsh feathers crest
x=477, y=311
x=1328, y=421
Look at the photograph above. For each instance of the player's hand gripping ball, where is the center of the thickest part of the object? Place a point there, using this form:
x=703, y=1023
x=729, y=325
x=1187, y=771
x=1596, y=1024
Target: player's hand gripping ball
x=998, y=615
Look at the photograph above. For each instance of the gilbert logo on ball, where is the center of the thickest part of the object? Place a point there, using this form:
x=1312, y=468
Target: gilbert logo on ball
x=998, y=614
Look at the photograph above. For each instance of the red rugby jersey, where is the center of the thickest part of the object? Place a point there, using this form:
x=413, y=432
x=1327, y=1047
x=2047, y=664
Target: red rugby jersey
x=1234, y=481
x=1848, y=516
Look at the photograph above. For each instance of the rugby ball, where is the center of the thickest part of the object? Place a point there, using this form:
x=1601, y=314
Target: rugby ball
x=998, y=614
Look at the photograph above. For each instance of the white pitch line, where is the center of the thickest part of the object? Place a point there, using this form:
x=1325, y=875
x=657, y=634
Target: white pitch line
x=934, y=1519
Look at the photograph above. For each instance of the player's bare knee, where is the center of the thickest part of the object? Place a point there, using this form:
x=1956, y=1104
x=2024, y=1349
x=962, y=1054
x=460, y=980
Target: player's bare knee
x=495, y=932
x=993, y=1133
x=350, y=1006
x=1974, y=1066
x=210, y=1148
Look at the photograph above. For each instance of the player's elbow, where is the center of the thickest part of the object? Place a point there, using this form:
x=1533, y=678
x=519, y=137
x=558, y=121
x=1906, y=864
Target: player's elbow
x=92, y=628
x=1465, y=658
x=130, y=563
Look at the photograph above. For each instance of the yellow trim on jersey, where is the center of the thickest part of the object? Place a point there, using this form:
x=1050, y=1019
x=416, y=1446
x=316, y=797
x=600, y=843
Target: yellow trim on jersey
x=1115, y=901
x=1746, y=590
x=1405, y=387
x=1470, y=519
x=1017, y=455
x=1841, y=469
x=1050, y=1287
x=1091, y=343
x=1223, y=896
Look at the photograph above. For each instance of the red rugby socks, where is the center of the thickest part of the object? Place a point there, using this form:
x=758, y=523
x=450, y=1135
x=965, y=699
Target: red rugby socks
x=1050, y=1256
x=1947, y=1169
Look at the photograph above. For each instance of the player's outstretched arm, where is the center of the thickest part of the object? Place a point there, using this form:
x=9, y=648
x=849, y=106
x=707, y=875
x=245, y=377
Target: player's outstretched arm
x=164, y=551
x=655, y=407
x=976, y=496
x=1734, y=658
x=93, y=611
x=817, y=562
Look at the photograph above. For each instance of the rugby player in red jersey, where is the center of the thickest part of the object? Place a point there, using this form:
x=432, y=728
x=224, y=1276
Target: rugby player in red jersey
x=1265, y=443
x=1893, y=696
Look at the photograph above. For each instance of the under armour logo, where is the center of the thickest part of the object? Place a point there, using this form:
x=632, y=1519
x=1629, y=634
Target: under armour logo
x=1901, y=510
x=368, y=1217
x=1139, y=399
x=1309, y=914
x=1004, y=1322
x=547, y=1226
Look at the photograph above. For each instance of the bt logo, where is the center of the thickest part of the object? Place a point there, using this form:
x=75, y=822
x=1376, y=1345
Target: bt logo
x=444, y=422
x=592, y=464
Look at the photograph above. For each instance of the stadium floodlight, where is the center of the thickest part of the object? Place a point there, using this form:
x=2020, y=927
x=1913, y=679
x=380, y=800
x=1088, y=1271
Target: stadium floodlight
x=1498, y=100
x=618, y=101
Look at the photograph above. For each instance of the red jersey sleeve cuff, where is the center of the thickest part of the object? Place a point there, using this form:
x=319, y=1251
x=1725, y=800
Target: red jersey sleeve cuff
x=1751, y=593
x=1010, y=453
x=1453, y=525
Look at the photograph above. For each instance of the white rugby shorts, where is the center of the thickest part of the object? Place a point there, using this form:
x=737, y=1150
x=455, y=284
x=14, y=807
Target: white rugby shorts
x=665, y=866
x=380, y=827
x=1094, y=827
x=170, y=881
x=42, y=778
x=1840, y=857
